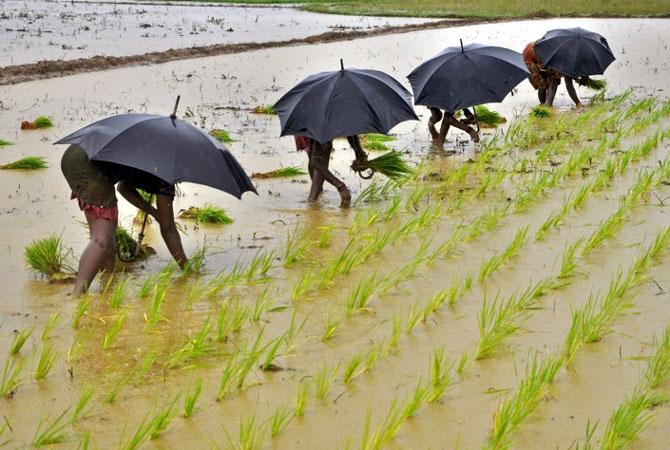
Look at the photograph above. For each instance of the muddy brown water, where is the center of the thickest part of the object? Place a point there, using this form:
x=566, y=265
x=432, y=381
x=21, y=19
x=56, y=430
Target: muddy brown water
x=219, y=92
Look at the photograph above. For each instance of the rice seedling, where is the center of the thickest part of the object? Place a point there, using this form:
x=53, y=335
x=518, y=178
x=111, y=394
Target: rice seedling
x=196, y=262
x=264, y=109
x=46, y=362
x=351, y=369
x=206, y=214
x=494, y=263
x=47, y=256
x=154, y=316
x=658, y=367
x=605, y=230
x=196, y=346
x=297, y=244
x=4, y=143
x=283, y=172
x=192, y=398
x=329, y=328
x=385, y=431
x=495, y=324
x=358, y=298
x=569, y=264
x=84, y=442
x=416, y=400
x=221, y=136
x=660, y=243
x=113, y=332
x=374, y=353
x=391, y=165
x=487, y=117
x=10, y=379
x=39, y=122
x=376, y=191
x=259, y=266
x=301, y=398
x=139, y=437
x=119, y=292
x=239, y=317
x=529, y=393
x=51, y=433
x=629, y=419
x=440, y=375
x=323, y=381
x=281, y=418
x=27, y=163
x=19, y=339
x=541, y=112
x=434, y=303
x=249, y=360
x=82, y=403
x=414, y=316
x=227, y=376
x=376, y=142
x=294, y=330
x=121, y=382
x=271, y=354
x=161, y=420
x=639, y=106
x=50, y=326
x=395, y=331
x=251, y=436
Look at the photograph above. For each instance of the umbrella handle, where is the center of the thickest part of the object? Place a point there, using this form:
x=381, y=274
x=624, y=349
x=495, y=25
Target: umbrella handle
x=176, y=105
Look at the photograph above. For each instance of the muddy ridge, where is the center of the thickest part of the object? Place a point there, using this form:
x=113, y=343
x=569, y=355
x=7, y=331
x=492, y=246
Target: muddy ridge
x=58, y=68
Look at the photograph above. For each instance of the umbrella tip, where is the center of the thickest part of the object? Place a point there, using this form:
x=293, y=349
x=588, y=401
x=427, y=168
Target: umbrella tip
x=176, y=105
x=341, y=64
x=462, y=49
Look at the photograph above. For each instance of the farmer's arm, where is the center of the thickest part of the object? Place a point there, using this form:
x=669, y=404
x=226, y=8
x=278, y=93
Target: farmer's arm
x=571, y=91
x=129, y=192
x=355, y=143
x=169, y=230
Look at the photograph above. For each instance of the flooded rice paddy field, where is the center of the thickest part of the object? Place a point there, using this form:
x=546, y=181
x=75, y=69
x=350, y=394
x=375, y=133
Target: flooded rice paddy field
x=35, y=30
x=489, y=258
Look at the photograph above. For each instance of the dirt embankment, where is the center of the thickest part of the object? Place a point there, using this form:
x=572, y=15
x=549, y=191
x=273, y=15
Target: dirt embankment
x=57, y=68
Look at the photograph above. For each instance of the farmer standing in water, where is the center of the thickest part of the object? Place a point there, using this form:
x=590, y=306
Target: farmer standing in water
x=319, y=160
x=94, y=191
x=449, y=119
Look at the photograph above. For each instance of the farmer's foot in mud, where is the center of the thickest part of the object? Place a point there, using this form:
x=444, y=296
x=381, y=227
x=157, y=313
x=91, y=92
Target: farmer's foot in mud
x=474, y=135
x=345, y=196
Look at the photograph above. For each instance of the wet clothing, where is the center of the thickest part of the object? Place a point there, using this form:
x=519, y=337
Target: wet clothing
x=540, y=75
x=302, y=143
x=86, y=179
x=138, y=179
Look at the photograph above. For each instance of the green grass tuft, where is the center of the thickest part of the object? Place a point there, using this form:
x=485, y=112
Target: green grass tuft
x=391, y=165
x=47, y=256
x=284, y=172
x=541, y=112
x=4, y=143
x=27, y=163
x=43, y=122
x=376, y=142
x=487, y=117
x=265, y=109
x=221, y=136
x=206, y=214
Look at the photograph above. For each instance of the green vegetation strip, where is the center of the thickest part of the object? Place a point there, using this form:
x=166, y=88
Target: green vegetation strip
x=27, y=163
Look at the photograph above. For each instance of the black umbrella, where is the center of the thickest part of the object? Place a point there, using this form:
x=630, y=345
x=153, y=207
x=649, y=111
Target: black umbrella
x=468, y=75
x=163, y=146
x=574, y=52
x=345, y=102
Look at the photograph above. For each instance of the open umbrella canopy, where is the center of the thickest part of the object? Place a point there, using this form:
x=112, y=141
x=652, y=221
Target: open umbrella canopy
x=163, y=146
x=575, y=52
x=345, y=102
x=468, y=75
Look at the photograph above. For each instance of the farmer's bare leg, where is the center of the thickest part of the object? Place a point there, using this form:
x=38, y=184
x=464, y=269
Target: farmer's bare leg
x=571, y=91
x=444, y=129
x=320, y=162
x=169, y=230
x=551, y=91
x=435, y=116
x=461, y=126
x=469, y=117
x=98, y=254
x=542, y=96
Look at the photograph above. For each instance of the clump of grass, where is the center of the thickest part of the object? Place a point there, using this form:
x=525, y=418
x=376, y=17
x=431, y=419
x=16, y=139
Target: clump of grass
x=264, y=109
x=376, y=142
x=46, y=362
x=206, y=214
x=39, y=122
x=323, y=381
x=19, y=339
x=126, y=244
x=284, y=172
x=160, y=421
x=27, y=163
x=9, y=379
x=51, y=433
x=47, y=256
x=541, y=112
x=192, y=398
x=221, y=136
x=487, y=117
x=658, y=368
x=391, y=165
x=301, y=398
x=629, y=419
x=4, y=143
x=280, y=419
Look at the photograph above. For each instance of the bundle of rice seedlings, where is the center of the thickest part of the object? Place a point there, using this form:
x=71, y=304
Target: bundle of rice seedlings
x=290, y=171
x=391, y=165
x=206, y=214
x=487, y=117
x=376, y=142
x=265, y=109
x=48, y=256
x=221, y=136
x=541, y=112
x=596, y=85
x=27, y=163
x=3, y=143
x=40, y=122
x=126, y=244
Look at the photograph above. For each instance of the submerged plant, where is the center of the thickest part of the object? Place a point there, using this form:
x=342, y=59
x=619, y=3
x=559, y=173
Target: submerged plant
x=264, y=109
x=82, y=403
x=284, y=172
x=4, y=143
x=51, y=433
x=10, y=377
x=658, y=368
x=46, y=362
x=282, y=416
x=113, y=332
x=19, y=339
x=301, y=398
x=161, y=420
x=221, y=136
x=627, y=421
x=27, y=163
x=541, y=112
x=206, y=214
x=47, y=256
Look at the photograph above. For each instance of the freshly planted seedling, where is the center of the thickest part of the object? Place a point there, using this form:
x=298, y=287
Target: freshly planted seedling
x=196, y=262
x=51, y=433
x=47, y=256
x=206, y=214
x=191, y=399
x=119, y=292
x=281, y=418
x=264, y=109
x=495, y=324
x=227, y=377
x=271, y=354
x=46, y=362
x=221, y=136
x=161, y=420
x=284, y=172
x=154, y=316
x=80, y=310
x=416, y=400
x=351, y=369
x=80, y=408
x=541, y=112
x=27, y=163
x=628, y=420
x=114, y=331
x=19, y=339
x=658, y=368
x=358, y=298
x=4, y=143
x=11, y=374
x=140, y=436
x=39, y=122
x=440, y=375
x=301, y=398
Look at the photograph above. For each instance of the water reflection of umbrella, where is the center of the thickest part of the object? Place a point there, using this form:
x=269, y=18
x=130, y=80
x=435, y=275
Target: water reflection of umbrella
x=575, y=52
x=163, y=146
x=468, y=75
x=345, y=102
